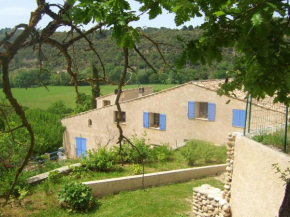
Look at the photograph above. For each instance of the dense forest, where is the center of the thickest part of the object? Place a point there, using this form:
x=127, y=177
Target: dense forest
x=24, y=67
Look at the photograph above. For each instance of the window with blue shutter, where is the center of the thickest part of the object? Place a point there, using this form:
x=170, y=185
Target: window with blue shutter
x=239, y=117
x=191, y=110
x=146, y=119
x=211, y=112
x=81, y=147
x=162, y=125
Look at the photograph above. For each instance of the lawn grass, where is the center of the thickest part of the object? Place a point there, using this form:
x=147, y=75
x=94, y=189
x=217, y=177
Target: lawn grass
x=39, y=97
x=169, y=200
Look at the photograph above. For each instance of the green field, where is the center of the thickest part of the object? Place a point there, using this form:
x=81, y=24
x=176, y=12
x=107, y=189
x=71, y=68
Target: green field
x=39, y=97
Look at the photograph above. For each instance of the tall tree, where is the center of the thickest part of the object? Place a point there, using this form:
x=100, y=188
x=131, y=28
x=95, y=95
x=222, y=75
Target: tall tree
x=95, y=86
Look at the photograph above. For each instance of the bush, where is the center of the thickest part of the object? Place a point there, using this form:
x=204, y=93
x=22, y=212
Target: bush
x=140, y=152
x=162, y=153
x=192, y=152
x=202, y=152
x=102, y=160
x=6, y=180
x=76, y=197
x=54, y=176
x=59, y=108
x=136, y=168
x=79, y=172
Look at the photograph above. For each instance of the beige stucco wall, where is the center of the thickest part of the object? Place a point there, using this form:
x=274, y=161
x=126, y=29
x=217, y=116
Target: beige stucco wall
x=256, y=189
x=172, y=102
x=109, y=186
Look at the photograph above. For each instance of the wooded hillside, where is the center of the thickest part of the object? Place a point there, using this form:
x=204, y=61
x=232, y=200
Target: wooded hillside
x=24, y=67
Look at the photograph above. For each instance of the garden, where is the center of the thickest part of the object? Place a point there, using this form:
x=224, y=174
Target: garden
x=74, y=197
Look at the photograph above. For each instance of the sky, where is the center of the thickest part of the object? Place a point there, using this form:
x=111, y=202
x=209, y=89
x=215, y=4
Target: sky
x=13, y=12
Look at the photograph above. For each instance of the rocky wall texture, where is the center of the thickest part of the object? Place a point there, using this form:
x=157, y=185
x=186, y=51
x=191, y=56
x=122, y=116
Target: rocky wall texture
x=230, y=163
x=212, y=202
x=208, y=201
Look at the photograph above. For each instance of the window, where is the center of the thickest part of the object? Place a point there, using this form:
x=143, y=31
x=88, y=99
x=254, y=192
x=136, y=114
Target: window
x=239, y=117
x=154, y=120
x=201, y=110
x=106, y=103
x=122, y=118
x=90, y=122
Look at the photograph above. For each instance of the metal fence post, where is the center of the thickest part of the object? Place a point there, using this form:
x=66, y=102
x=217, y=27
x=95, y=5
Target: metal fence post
x=250, y=114
x=285, y=134
x=246, y=114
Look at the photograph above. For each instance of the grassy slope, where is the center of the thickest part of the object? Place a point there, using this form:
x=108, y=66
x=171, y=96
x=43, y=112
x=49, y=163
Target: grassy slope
x=39, y=97
x=168, y=201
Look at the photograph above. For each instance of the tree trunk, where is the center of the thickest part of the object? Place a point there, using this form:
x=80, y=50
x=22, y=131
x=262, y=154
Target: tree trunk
x=95, y=86
x=284, y=210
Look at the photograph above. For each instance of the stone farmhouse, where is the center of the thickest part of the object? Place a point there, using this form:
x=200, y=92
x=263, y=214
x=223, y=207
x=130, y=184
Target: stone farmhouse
x=173, y=116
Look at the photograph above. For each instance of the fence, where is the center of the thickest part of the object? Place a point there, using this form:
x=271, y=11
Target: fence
x=51, y=156
x=267, y=122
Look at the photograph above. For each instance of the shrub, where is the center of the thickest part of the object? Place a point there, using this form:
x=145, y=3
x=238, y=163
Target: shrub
x=53, y=176
x=137, y=169
x=140, y=152
x=162, y=153
x=203, y=152
x=76, y=197
x=101, y=160
x=59, y=108
x=122, y=155
x=79, y=172
x=191, y=152
x=6, y=180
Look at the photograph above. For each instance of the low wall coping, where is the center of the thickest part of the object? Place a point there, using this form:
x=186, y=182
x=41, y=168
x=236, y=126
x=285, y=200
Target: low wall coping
x=114, y=185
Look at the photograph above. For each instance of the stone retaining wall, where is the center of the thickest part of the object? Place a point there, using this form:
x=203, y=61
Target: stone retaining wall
x=207, y=201
x=212, y=202
x=109, y=186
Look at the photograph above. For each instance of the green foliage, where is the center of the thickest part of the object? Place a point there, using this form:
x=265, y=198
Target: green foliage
x=47, y=128
x=275, y=139
x=80, y=172
x=54, y=176
x=140, y=152
x=259, y=36
x=112, y=57
x=196, y=151
x=162, y=154
x=284, y=175
x=46, y=187
x=101, y=160
x=83, y=103
x=76, y=197
x=6, y=179
x=136, y=168
x=59, y=108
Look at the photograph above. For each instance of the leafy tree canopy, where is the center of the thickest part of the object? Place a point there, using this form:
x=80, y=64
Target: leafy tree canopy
x=258, y=31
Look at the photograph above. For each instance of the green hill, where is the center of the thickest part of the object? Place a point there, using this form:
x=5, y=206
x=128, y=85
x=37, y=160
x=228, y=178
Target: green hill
x=22, y=74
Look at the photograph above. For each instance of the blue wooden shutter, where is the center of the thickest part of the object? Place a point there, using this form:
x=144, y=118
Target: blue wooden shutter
x=162, y=125
x=191, y=108
x=84, y=147
x=78, y=147
x=239, y=118
x=146, y=119
x=211, y=111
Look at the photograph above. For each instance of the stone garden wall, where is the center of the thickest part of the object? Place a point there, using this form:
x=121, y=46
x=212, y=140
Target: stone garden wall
x=252, y=186
x=212, y=202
